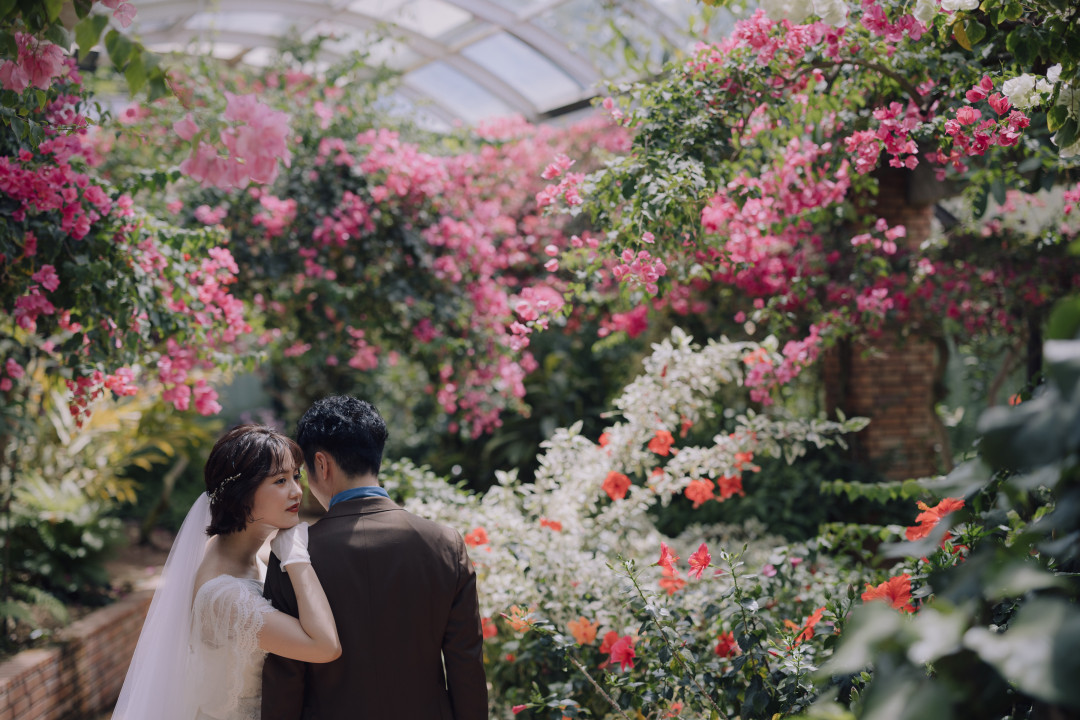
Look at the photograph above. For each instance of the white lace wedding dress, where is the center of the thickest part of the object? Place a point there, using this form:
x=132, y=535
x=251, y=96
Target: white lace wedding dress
x=197, y=659
x=226, y=662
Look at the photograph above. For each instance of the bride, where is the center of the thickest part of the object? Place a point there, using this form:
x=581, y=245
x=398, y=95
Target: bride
x=202, y=646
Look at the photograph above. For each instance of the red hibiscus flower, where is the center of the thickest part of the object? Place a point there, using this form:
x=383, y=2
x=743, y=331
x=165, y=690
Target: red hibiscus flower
x=895, y=591
x=477, y=537
x=671, y=582
x=699, y=560
x=807, y=630
x=661, y=443
x=667, y=558
x=622, y=652
x=726, y=646
x=699, y=491
x=730, y=485
x=615, y=485
x=931, y=516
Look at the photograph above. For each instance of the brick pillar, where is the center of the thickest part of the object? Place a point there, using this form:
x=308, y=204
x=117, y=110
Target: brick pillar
x=895, y=381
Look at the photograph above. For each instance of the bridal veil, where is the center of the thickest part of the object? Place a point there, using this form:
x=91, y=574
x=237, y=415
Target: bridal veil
x=158, y=682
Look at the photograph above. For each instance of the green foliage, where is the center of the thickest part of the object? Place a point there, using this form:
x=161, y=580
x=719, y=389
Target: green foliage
x=64, y=481
x=993, y=638
x=60, y=539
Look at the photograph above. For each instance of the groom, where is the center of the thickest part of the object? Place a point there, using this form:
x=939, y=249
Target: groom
x=402, y=589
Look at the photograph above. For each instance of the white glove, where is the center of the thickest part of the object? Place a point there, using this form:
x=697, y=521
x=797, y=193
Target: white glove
x=290, y=545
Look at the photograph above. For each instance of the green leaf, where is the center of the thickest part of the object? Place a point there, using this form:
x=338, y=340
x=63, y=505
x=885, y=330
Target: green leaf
x=998, y=189
x=53, y=8
x=18, y=126
x=58, y=35
x=119, y=48
x=82, y=8
x=135, y=73
x=1068, y=134
x=88, y=32
x=1056, y=117
x=974, y=31
x=961, y=35
x=1037, y=654
x=1013, y=10
x=6, y=6
x=158, y=87
x=1022, y=43
x=8, y=46
x=1064, y=321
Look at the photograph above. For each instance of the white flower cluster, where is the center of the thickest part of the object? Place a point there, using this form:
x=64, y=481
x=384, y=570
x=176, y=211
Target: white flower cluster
x=551, y=545
x=833, y=12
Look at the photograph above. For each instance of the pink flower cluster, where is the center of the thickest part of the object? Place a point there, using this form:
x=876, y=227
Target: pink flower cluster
x=567, y=189
x=255, y=142
x=350, y=219
x=45, y=181
x=124, y=12
x=534, y=307
x=641, y=269
x=763, y=376
x=174, y=368
x=876, y=21
x=762, y=219
x=973, y=135
x=38, y=62
x=277, y=214
x=893, y=133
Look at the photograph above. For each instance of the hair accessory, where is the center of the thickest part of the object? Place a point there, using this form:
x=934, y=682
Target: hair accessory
x=221, y=487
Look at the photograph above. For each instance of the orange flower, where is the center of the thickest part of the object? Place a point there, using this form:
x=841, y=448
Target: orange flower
x=604, y=439
x=477, y=537
x=895, y=591
x=671, y=581
x=699, y=560
x=807, y=630
x=684, y=426
x=1015, y=399
x=931, y=516
x=674, y=710
x=661, y=443
x=615, y=485
x=517, y=619
x=553, y=524
x=757, y=357
x=584, y=632
x=730, y=485
x=726, y=645
x=745, y=458
x=699, y=491
x=488, y=628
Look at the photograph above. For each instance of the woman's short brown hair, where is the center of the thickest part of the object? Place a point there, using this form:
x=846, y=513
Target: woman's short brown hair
x=241, y=459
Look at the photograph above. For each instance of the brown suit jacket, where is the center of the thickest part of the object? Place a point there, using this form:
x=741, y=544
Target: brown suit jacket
x=403, y=592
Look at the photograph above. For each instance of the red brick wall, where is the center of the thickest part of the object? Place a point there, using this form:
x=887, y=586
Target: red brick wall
x=892, y=382
x=81, y=676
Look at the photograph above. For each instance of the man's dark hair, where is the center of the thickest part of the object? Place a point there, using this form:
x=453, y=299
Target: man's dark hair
x=241, y=459
x=347, y=429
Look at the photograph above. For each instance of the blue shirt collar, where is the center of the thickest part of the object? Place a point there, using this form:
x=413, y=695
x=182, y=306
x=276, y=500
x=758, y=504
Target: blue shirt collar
x=359, y=492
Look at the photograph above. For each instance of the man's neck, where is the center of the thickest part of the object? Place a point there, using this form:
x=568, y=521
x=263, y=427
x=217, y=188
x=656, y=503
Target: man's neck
x=353, y=482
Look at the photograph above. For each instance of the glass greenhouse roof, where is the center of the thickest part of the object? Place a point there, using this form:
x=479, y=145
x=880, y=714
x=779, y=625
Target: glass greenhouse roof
x=460, y=60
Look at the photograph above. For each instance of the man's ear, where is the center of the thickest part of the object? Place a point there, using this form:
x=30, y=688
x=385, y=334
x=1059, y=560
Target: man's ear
x=322, y=466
